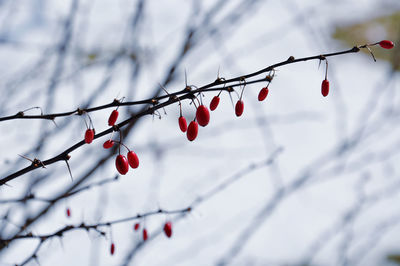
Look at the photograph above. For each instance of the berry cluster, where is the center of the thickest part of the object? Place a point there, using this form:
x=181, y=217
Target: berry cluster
x=202, y=116
x=122, y=163
x=167, y=230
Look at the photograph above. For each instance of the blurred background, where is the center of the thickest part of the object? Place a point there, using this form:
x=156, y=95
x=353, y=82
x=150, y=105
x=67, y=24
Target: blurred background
x=299, y=179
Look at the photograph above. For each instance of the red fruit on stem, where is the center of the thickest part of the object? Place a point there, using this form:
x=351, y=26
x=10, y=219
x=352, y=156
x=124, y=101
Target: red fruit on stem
x=112, y=249
x=182, y=123
x=263, y=94
x=202, y=115
x=89, y=135
x=136, y=227
x=386, y=44
x=133, y=159
x=239, y=107
x=168, y=229
x=108, y=144
x=122, y=164
x=214, y=103
x=192, y=131
x=113, y=118
x=325, y=88
x=68, y=211
x=145, y=236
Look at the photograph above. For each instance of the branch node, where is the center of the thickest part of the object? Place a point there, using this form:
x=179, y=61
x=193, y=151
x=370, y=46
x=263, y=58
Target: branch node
x=116, y=102
x=79, y=111
x=116, y=128
x=291, y=58
x=36, y=163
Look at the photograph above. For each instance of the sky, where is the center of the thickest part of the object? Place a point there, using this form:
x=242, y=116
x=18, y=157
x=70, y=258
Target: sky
x=298, y=178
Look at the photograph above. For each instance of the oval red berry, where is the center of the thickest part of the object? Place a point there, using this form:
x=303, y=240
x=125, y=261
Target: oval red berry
x=214, y=103
x=239, y=107
x=113, y=118
x=386, y=44
x=145, y=236
x=108, y=144
x=112, y=249
x=133, y=159
x=68, y=211
x=168, y=229
x=89, y=135
x=136, y=227
x=263, y=94
x=182, y=123
x=325, y=87
x=121, y=163
x=202, y=115
x=192, y=131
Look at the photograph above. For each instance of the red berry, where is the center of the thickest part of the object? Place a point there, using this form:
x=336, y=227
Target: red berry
x=68, y=211
x=145, y=236
x=113, y=118
x=214, y=103
x=263, y=94
x=182, y=123
x=168, y=229
x=202, y=115
x=239, y=108
x=122, y=164
x=133, y=159
x=136, y=227
x=112, y=249
x=386, y=44
x=325, y=88
x=192, y=131
x=89, y=135
x=108, y=144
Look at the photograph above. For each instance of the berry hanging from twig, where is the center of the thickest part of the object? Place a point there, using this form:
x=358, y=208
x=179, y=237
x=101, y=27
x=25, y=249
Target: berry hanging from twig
x=145, y=236
x=239, y=107
x=202, y=115
x=113, y=118
x=325, y=82
x=112, y=249
x=214, y=103
x=121, y=164
x=263, y=94
x=133, y=159
x=89, y=135
x=325, y=88
x=168, y=229
x=136, y=226
x=182, y=123
x=386, y=44
x=108, y=144
x=192, y=131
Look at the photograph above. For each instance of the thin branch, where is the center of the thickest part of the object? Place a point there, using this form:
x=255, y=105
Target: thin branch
x=172, y=98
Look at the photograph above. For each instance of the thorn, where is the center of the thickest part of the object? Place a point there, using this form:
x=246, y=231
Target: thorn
x=373, y=57
x=69, y=170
